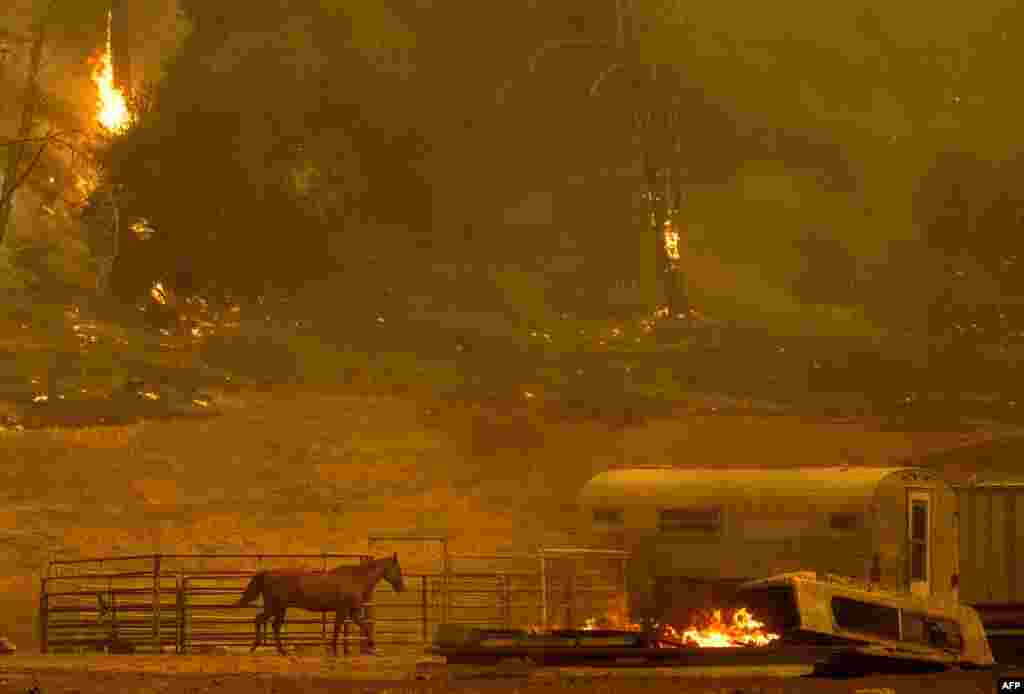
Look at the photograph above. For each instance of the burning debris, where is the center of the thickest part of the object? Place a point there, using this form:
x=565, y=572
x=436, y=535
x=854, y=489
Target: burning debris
x=741, y=630
x=712, y=632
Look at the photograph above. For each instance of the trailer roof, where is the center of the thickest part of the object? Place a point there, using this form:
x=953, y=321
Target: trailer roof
x=822, y=486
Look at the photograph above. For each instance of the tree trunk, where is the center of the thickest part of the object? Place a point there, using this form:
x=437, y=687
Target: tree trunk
x=16, y=152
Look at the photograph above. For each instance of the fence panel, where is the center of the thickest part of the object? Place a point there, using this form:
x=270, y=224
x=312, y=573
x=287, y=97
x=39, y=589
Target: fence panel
x=193, y=603
x=90, y=611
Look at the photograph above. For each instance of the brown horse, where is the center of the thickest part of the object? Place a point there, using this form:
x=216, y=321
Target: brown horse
x=342, y=590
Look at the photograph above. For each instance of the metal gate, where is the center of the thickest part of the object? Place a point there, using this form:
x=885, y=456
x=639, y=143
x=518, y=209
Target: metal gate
x=188, y=603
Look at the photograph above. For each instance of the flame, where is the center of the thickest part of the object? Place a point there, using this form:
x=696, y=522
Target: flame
x=158, y=293
x=113, y=107
x=743, y=631
x=671, y=237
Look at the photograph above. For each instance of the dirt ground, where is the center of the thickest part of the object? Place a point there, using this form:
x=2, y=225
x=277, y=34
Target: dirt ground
x=400, y=672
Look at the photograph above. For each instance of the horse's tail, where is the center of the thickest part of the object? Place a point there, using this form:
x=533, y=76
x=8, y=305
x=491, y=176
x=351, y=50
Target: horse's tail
x=252, y=590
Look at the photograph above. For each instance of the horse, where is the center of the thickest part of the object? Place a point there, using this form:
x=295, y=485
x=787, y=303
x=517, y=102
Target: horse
x=342, y=590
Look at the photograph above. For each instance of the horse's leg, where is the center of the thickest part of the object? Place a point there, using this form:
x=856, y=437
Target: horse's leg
x=348, y=616
x=260, y=622
x=359, y=617
x=278, y=621
x=337, y=626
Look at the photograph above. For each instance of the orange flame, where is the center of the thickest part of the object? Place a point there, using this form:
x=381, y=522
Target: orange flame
x=671, y=238
x=113, y=107
x=743, y=631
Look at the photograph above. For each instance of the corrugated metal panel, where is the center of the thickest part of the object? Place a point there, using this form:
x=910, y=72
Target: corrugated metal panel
x=980, y=539
x=1016, y=558
x=970, y=577
x=998, y=585
x=992, y=520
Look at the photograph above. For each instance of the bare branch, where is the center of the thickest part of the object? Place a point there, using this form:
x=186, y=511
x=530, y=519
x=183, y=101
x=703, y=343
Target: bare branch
x=54, y=138
x=596, y=86
x=9, y=193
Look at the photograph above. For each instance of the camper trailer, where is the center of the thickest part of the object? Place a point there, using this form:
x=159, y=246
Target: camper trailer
x=696, y=534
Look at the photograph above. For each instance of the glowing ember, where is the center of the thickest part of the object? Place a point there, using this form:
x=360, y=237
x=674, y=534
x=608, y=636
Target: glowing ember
x=671, y=242
x=113, y=107
x=158, y=293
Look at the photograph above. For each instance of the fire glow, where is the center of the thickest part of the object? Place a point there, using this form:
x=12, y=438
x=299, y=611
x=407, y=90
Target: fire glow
x=671, y=237
x=113, y=107
x=742, y=630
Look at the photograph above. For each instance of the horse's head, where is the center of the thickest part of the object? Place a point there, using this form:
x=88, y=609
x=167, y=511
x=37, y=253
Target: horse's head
x=393, y=573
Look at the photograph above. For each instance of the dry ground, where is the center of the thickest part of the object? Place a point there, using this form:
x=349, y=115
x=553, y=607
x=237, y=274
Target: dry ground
x=294, y=471
x=225, y=675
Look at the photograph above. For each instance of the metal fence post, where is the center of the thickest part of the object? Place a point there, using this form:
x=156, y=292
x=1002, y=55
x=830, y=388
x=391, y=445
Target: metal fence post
x=323, y=615
x=156, y=602
x=179, y=613
x=423, y=606
x=543, y=592
x=113, y=616
x=446, y=587
x=623, y=598
x=506, y=609
x=570, y=608
x=44, y=617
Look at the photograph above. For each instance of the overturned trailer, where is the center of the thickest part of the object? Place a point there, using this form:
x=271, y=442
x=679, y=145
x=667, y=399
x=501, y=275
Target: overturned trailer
x=697, y=534
x=867, y=629
x=837, y=626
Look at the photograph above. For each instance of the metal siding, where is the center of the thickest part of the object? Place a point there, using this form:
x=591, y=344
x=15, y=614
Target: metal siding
x=970, y=578
x=998, y=586
x=1016, y=556
x=980, y=537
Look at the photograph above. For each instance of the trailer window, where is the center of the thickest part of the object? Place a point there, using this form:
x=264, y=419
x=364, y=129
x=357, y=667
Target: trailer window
x=931, y=631
x=608, y=516
x=866, y=618
x=702, y=520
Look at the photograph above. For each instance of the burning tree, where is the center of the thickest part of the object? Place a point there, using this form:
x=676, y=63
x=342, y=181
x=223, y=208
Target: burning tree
x=657, y=127
x=61, y=166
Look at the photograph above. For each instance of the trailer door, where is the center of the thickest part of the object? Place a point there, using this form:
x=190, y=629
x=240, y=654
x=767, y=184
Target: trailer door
x=919, y=540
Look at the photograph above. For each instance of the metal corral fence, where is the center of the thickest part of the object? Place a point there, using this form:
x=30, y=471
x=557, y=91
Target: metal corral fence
x=188, y=603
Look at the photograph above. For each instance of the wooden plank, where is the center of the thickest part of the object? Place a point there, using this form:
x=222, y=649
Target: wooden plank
x=998, y=586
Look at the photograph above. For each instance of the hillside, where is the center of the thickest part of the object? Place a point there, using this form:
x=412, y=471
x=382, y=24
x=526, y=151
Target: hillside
x=295, y=470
